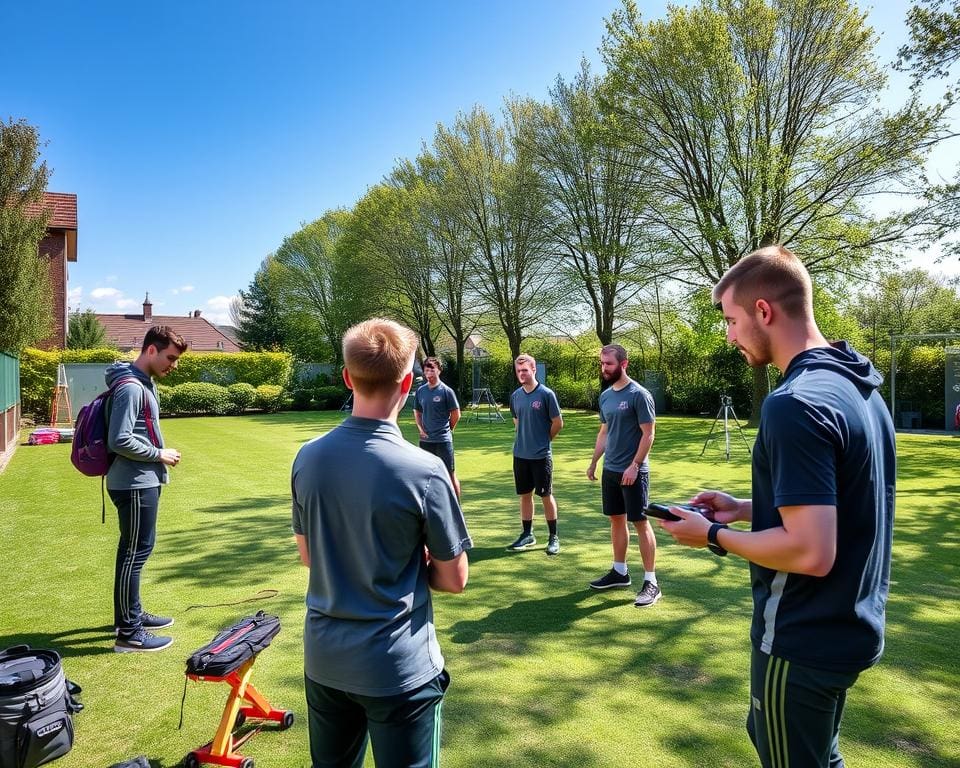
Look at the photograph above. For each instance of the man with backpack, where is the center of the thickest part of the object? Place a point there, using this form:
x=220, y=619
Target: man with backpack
x=139, y=469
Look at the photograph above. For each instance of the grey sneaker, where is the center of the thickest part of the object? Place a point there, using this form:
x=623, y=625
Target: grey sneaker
x=141, y=641
x=524, y=541
x=553, y=545
x=151, y=621
x=611, y=579
x=648, y=595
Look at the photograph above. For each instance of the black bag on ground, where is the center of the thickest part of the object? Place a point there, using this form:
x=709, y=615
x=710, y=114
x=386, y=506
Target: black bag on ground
x=234, y=645
x=36, y=707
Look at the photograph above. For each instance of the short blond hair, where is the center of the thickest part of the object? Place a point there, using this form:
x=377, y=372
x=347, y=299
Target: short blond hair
x=773, y=273
x=378, y=353
x=525, y=358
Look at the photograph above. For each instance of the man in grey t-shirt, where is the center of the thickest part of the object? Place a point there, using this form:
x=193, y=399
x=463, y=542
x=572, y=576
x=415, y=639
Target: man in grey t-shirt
x=436, y=411
x=377, y=522
x=627, y=427
x=537, y=418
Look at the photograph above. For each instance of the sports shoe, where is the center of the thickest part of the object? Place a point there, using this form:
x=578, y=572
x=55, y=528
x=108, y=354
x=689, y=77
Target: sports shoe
x=553, y=545
x=524, y=541
x=141, y=641
x=150, y=621
x=611, y=579
x=648, y=595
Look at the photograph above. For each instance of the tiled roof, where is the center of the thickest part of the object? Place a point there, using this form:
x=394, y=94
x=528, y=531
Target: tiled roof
x=127, y=331
x=62, y=207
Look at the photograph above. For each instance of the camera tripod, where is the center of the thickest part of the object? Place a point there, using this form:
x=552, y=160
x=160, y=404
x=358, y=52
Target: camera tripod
x=726, y=412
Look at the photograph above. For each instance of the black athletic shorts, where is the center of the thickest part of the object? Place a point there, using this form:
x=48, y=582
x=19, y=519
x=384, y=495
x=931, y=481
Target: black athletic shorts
x=533, y=475
x=629, y=500
x=444, y=450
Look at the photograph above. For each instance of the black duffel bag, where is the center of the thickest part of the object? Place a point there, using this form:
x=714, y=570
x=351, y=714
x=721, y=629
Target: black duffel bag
x=36, y=707
x=234, y=645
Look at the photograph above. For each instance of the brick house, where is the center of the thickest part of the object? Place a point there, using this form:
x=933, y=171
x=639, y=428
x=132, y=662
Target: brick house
x=127, y=331
x=59, y=246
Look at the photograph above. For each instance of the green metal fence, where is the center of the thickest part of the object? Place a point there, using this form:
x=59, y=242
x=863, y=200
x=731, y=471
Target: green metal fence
x=9, y=381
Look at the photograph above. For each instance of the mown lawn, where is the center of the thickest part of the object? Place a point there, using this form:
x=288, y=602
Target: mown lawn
x=545, y=671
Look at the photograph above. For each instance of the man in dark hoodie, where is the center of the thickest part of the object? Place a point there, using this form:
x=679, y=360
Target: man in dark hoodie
x=821, y=513
x=134, y=480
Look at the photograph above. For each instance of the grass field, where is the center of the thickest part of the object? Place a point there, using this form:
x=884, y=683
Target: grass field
x=546, y=672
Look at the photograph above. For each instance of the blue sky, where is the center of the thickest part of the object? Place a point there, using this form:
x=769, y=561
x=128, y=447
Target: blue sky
x=198, y=135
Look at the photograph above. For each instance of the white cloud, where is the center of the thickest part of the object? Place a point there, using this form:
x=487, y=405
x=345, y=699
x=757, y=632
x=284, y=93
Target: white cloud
x=220, y=303
x=220, y=306
x=105, y=293
x=182, y=289
x=126, y=303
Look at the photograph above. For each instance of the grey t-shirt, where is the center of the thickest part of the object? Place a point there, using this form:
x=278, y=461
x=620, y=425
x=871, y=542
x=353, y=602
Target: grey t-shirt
x=367, y=502
x=534, y=412
x=435, y=405
x=625, y=413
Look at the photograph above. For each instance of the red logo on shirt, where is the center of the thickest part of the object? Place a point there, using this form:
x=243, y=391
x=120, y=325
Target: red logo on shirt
x=436, y=398
x=535, y=405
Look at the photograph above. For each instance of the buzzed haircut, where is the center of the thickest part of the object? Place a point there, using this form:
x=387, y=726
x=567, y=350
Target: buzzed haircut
x=434, y=361
x=525, y=358
x=378, y=353
x=772, y=273
x=615, y=349
x=161, y=337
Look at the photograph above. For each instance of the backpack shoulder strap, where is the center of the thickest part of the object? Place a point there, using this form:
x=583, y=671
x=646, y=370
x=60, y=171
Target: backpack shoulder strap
x=147, y=410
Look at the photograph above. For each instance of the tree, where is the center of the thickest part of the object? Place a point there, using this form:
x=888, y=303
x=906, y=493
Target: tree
x=498, y=197
x=391, y=231
x=597, y=197
x=459, y=308
x=25, y=303
x=324, y=285
x=910, y=302
x=87, y=332
x=934, y=45
x=257, y=314
x=761, y=124
x=932, y=51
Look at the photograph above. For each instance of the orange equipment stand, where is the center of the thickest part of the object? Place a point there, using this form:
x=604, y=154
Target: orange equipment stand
x=244, y=702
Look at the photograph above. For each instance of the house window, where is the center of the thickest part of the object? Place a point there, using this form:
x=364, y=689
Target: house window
x=220, y=345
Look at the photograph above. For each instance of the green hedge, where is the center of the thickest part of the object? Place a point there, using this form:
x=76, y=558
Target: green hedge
x=200, y=397
x=225, y=368
x=242, y=396
x=920, y=371
x=38, y=373
x=270, y=398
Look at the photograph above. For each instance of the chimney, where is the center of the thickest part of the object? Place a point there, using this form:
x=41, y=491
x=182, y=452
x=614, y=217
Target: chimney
x=147, y=309
x=196, y=313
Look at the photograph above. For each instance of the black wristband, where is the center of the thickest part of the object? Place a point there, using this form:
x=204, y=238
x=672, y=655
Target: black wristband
x=712, y=543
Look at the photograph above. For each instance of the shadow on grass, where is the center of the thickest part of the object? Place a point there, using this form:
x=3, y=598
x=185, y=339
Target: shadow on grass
x=83, y=641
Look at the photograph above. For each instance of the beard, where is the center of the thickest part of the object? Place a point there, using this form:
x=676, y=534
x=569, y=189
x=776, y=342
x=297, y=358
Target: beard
x=757, y=353
x=614, y=377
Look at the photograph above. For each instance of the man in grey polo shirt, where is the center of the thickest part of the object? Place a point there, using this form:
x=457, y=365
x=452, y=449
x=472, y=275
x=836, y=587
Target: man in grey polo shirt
x=436, y=411
x=537, y=418
x=627, y=427
x=378, y=523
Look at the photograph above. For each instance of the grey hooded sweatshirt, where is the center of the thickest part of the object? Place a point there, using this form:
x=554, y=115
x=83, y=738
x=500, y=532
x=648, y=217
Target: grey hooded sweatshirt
x=137, y=463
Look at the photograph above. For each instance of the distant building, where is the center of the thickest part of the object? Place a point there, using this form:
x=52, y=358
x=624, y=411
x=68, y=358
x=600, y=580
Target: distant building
x=127, y=331
x=58, y=246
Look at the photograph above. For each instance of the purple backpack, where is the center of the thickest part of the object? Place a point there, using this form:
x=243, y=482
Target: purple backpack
x=89, y=452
